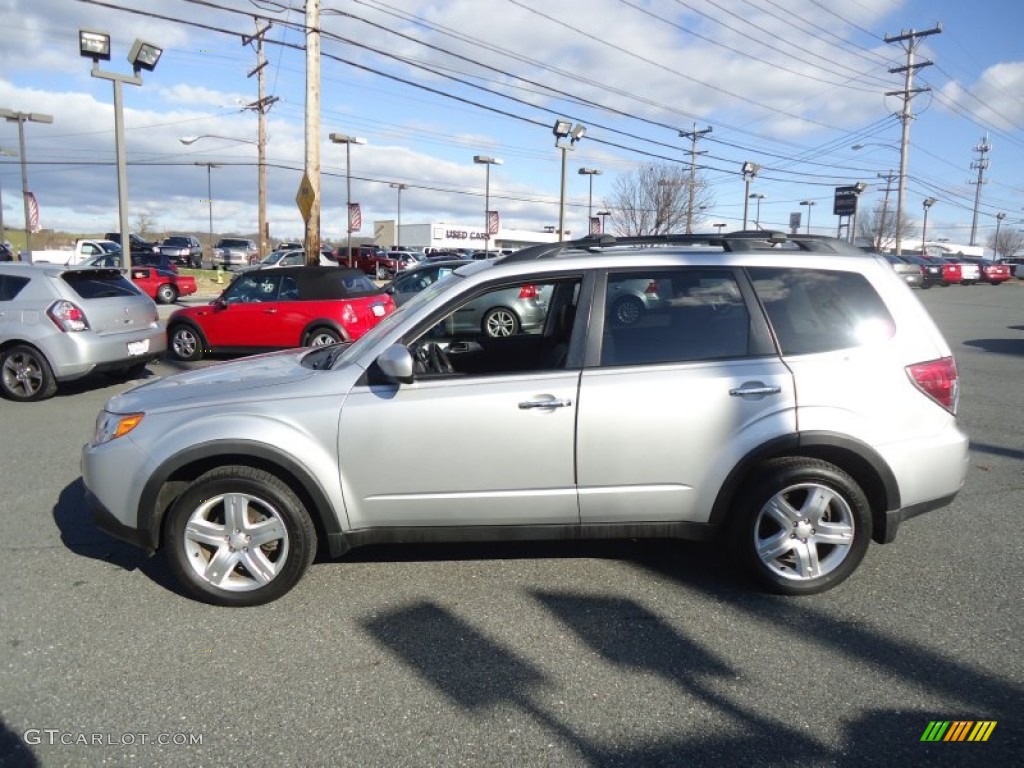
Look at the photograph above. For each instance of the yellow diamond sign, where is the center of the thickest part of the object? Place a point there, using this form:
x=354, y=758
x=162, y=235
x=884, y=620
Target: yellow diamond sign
x=304, y=197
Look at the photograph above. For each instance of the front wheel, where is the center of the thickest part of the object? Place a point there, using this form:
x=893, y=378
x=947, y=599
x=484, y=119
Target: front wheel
x=802, y=527
x=238, y=536
x=185, y=343
x=499, y=323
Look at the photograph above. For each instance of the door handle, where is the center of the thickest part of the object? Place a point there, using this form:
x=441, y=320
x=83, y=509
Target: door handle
x=754, y=388
x=548, y=402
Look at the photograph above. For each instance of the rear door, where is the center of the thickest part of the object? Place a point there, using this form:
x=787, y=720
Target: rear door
x=682, y=387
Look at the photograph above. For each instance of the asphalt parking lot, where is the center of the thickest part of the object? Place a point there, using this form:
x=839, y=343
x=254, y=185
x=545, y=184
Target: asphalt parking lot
x=603, y=654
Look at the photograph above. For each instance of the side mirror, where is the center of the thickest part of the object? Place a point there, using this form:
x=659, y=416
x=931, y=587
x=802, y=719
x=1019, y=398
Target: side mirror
x=396, y=363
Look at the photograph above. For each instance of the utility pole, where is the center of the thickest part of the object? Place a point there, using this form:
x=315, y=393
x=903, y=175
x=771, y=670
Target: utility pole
x=261, y=106
x=311, y=179
x=693, y=136
x=911, y=41
x=981, y=164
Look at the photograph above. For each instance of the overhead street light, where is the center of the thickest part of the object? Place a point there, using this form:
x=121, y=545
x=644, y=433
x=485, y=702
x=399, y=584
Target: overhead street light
x=209, y=202
x=398, y=225
x=757, y=216
x=810, y=204
x=348, y=141
x=21, y=118
x=590, y=173
x=604, y=224
x=995, y=243
x=749, y=171
x=261, y=179
x=487, y=162
x=927, y=203
x=564, y=129
x=95, y=45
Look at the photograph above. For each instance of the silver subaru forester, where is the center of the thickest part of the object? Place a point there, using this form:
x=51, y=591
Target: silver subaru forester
x=787, y=395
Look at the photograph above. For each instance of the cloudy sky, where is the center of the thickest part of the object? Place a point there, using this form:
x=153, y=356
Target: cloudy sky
x=791, y=85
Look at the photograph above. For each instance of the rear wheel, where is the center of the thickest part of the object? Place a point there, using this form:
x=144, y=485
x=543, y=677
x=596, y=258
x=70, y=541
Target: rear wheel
x=802, y=527
x=166, y=294
x=499, y=323
x=185, y=343
x=627, y=310
x=25, y=374
x=238, y=536
x=322, y=337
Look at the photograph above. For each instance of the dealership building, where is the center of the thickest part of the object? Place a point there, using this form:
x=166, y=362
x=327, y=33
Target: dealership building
x=450, y=235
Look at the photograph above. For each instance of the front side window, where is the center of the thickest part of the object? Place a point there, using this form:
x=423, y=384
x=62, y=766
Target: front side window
x=674, y=315
x=814, y=310
x=253, y=288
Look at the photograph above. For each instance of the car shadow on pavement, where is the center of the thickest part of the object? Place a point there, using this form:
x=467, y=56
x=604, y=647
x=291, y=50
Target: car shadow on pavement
x=999, y=346
x=80, y=534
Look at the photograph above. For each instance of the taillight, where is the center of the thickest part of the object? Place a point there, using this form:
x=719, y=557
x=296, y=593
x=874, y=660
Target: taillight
x=652, y=288
x=939, y=380
x=529, y=292
x=67, y=316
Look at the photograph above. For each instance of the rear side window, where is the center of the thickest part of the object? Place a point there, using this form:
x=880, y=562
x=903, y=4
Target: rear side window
x=820, y=310
x=99, y=284
x=10, y=286
x=678, y=315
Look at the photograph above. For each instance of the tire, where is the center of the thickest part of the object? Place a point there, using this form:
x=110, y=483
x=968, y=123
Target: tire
x=25, y=375
x=166, y=294
x=185, y=343
x=238, y=536
x=802, y=527
x=380, y=273
x=322, y=337
x=500, y=323
x=627, y=310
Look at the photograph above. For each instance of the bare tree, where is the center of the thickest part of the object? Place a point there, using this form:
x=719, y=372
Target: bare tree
x=878, y=226
x=146, y=226
x=654, y=199
x=1010, y=241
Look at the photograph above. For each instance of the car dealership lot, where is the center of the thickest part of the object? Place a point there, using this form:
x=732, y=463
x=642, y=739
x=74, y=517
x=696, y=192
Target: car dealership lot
x=554, y=654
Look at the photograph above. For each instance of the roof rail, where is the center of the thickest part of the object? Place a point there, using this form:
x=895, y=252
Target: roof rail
x=735, y=242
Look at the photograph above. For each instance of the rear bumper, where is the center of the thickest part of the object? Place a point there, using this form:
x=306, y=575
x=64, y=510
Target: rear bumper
x=73, y=355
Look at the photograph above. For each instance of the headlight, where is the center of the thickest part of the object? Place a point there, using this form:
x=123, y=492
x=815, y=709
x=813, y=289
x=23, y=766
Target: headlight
x=113, y=425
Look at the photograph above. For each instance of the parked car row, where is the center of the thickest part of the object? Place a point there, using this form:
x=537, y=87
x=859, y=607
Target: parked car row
x=922, y=271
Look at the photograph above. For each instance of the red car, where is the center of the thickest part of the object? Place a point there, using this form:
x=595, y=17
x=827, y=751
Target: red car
x=279, y=309
x=951, y=273
x=993, y=273
x=163, y=286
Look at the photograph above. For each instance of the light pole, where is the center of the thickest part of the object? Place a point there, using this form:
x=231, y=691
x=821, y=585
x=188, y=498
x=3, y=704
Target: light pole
x=96, y=46
x=209, y=200
x=398, y=226
x=749, y=172
x=757, y=216
x=348, y=141
x=995, y=243
x=487, y=162
x=4, y=152
x=261, y=183
x=604, y=223
x=564, y=129
x=810, y=204
x=720, y=226
x=590, y=173
x=927, y=203
x=858, y=189
x=21, y=118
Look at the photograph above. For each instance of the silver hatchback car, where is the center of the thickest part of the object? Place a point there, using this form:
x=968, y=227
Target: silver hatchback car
x=61, y=323
x=786, y=396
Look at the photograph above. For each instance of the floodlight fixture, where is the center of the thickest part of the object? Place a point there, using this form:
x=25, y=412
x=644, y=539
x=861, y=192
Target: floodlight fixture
x=94, y=45
x=144, y=55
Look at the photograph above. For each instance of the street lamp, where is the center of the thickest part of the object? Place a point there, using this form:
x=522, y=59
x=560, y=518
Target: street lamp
x=209, y=203
x=757, y=216
x=995, y=243
x=487, y=162
x=21, y=118
x=604, y=224
x=96, y=46
x=261, y=183
x=809, y=204
x=858, y=189
x=591, y=173
x=720, y=226
x=4, y=152
x=749, y=170
x=398, y=226
x=348, y=141
x=927, y=203
x=564, y=129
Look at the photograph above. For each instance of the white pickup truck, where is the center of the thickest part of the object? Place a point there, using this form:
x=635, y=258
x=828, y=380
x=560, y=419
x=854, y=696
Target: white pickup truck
x=84, y=249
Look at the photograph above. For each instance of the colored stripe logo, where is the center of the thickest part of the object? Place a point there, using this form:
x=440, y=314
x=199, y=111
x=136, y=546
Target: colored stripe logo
x=958, y=730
